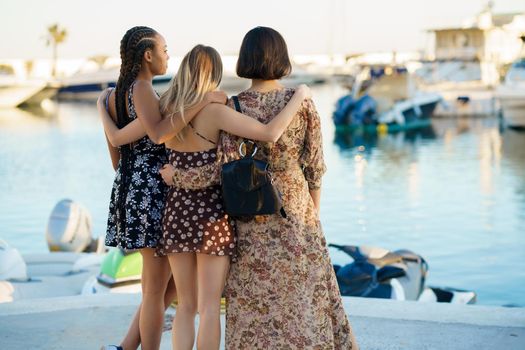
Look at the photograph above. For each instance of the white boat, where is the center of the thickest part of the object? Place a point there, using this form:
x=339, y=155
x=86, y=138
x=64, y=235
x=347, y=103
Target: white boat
x=300, y=75
x=15, y=92
x=464, y=64
x=511, y=94
x=374, y=272
x=384, y=99
x=73, y=258
x=45, y=275
x=465, y=89
x=88, y=84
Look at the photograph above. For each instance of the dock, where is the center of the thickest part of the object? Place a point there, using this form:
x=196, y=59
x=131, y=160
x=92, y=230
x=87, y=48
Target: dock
x=87, y=322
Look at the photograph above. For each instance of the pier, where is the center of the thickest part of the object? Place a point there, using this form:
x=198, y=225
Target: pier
x=87, y=322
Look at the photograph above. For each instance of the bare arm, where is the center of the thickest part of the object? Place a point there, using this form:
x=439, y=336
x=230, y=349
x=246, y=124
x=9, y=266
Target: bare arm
x=161, y=130
x=114, y=154
x=117, y=137
x=238, y=124
x=316, y=198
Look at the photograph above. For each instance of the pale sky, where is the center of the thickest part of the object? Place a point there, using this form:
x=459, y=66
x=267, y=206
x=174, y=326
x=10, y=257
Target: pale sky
x=310, y=27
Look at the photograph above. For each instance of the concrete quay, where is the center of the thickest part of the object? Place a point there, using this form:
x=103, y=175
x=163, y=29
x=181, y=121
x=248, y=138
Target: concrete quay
x=87, y=322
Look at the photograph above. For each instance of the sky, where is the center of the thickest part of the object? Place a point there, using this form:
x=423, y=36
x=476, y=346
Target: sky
x=95, y=27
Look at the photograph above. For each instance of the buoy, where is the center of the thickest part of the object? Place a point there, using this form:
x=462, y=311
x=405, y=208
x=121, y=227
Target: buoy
x=382, y=128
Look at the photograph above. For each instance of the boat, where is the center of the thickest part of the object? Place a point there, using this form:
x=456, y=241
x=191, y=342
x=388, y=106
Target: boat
x=87, y=84
x=462, y=83
x=300, y=75
x=511, y=94
x=466, y=60
x=16, y=92
x=375, y=272
x=74, y=255
x=384, y=99
x=120, y=272
x=17, y=89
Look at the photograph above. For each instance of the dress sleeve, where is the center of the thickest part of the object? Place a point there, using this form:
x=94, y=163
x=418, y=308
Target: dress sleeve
x=227, y=145
x=312, y=159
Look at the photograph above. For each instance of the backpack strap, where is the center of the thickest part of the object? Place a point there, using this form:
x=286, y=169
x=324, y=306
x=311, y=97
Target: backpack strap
x=235, y=99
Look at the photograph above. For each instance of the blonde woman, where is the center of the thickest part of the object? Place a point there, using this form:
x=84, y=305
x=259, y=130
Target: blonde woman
x=197, y=236
x=138, y=194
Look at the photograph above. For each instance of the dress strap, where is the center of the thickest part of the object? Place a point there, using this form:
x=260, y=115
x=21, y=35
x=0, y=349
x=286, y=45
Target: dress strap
x=201, y=136
x=107, y=99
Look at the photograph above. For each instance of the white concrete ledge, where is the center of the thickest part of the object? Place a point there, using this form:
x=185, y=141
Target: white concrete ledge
x=87, y=322
x=436, y=312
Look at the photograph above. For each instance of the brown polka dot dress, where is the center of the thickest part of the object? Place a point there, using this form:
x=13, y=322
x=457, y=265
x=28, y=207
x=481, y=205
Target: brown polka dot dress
x=194, y=219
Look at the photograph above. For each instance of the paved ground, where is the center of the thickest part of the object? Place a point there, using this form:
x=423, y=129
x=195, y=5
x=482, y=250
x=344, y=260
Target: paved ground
x=86, y=322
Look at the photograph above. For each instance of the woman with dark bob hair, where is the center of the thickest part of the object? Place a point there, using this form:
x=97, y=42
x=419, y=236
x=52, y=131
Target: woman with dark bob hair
x=282, y=292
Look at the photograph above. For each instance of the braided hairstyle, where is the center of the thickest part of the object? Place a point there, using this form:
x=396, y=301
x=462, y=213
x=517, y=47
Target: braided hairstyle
x=132, y=47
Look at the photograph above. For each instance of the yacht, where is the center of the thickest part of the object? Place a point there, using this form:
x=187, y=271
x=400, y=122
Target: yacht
x=465, y=61
x=16, y=92
x=511, y=94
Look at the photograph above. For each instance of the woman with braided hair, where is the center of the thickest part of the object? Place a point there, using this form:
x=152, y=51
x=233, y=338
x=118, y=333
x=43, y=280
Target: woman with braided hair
x=138, y=194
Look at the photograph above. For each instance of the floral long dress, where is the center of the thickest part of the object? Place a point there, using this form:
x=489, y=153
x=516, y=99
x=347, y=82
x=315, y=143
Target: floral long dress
x=282, y=292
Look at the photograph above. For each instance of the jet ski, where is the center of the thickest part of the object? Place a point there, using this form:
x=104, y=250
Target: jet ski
x=399, y=275
x=120, y=272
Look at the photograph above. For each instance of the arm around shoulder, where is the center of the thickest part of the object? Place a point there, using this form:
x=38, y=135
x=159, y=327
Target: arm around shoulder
x=238, y=124
x=146, y=103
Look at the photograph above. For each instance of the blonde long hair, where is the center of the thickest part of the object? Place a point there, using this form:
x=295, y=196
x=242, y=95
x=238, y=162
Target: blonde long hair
x=200, y=72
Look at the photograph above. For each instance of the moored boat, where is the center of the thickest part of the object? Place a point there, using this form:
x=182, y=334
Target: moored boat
x=511, y=94
x=16, y=93
x=74, y=256
x=375, y=272
x=384, y=99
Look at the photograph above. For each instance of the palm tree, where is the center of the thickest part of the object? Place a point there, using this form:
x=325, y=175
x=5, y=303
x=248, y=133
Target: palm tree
x=55, y=36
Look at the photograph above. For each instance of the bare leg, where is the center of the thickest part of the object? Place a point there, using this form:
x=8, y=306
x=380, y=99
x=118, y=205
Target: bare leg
x=155, y=278
x=184, y=269
x=211, y=277
x=132, y=339
x=171, y=293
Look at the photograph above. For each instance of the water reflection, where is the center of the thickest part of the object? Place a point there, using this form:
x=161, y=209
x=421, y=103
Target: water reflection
x=453, y=192
x=13, y=117
x=513, y=149
x=365, y=143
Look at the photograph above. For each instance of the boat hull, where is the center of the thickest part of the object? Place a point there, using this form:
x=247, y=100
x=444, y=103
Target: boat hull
x=26, y=94
x=51, y=275
x=414, y=119
x=91, y=90
x=465, y=100
x=513, y=108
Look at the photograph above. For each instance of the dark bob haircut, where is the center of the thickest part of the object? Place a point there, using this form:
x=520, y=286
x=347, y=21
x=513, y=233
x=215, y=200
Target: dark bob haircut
x=263, y=55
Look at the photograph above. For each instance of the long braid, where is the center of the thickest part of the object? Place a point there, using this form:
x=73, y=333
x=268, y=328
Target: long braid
x=132, y=47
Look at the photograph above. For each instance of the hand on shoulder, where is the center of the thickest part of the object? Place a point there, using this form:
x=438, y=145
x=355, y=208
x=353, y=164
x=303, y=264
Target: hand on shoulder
x=101, y=101
x=214, y=108
x=216, y=97
x=304, y=91
x=167, y=171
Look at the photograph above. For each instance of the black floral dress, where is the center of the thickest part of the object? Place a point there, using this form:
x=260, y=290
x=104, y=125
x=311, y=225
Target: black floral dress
x=138, y=194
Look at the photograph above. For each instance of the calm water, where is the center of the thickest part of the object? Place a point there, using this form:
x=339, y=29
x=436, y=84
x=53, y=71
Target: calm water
x=454, y=193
